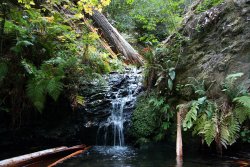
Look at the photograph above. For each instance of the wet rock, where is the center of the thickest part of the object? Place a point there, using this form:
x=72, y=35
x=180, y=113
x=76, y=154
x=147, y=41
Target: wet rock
x=97, y=111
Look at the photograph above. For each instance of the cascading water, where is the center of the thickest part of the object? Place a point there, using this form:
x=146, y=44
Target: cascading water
x=122, y=97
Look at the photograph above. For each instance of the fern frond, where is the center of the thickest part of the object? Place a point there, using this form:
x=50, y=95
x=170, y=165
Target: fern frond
x=243, y=100
x=224, y=135
x=229, y=86
x=233, y=129
x=55, y=61
x=30, y=68
x=200, y=124
x=156, y=102
x=242, y=113
x=36, y=92
x=232, y=77
x=54, y=88
x=209, y=131
x=191, y=116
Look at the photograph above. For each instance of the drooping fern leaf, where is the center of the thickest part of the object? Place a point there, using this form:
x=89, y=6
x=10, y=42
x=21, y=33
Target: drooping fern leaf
x=230, y=87
x=209, y=131
x=243, y=100
x=242, y=113
x=30, y=68
x=198, y=86
x=200, y=124
x=36, y=92
x=223, y=137
x=42, y=82
x=233, y=129
x=54, y=88
x=191, y=116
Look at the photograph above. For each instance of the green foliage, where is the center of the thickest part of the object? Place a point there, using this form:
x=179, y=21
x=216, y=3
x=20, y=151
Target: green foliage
x=207, y=4
x=151, y=118
x=243, y=100
x=198, y=86
x=220, y=127
x=209, y=131
x=46, y=80
x=151, y=20
x=215, y=123
x=231, y=88
x=165, y=75
x=242, y=108
x=191, y=116
x=3, y=70
x=156, y=19
x=46, y=48
x=245, y=135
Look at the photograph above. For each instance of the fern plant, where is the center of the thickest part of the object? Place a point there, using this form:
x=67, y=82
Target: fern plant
x=242, y=108
x=198, y=86
x=230, y=88
x=43, y=81
x=220, y=127
x=191, y=116
x=215, y=123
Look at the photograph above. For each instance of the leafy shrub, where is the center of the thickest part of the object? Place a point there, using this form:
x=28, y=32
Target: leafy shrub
x=151, y=118
x=207, y=4
x=151, y=20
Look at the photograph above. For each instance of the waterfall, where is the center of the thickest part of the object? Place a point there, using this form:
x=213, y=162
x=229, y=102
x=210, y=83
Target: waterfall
x=122, y=97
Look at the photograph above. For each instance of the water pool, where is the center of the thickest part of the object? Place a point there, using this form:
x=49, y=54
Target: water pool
x=158, y=155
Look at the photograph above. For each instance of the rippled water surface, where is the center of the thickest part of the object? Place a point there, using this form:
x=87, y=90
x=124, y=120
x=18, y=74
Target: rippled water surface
x=153, y=156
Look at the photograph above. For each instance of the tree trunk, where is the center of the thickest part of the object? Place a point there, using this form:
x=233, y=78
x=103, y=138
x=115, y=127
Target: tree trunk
x=103, y=43
x=116, y=40
x=36, y=156
x=179, y=136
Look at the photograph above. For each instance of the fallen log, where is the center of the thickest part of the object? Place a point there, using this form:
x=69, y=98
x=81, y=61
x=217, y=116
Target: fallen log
x=103, y=43
x=36, y=156
x=116, y=40
x=68, y=157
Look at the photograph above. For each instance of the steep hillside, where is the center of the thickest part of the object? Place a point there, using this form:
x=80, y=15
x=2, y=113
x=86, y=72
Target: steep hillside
x=218, y=44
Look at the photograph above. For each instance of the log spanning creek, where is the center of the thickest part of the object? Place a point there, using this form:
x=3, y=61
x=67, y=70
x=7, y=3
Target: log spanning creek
x=111, y=149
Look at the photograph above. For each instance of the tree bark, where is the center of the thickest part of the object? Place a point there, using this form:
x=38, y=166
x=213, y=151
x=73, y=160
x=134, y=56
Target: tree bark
x=103, y=43
x=116, y=40
x=36, y=156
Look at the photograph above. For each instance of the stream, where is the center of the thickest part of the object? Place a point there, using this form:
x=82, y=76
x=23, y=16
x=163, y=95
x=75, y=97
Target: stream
x=155, y=155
